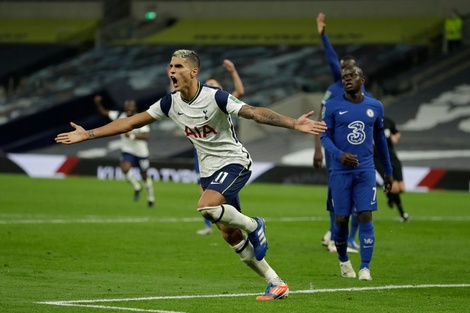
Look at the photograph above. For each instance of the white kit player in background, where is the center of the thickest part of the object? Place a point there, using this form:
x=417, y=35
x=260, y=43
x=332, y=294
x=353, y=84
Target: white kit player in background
x=202, y=112
x=134, y=149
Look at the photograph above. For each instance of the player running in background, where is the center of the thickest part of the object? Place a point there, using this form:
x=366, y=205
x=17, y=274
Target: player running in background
x=237, y=93
x=334, y=90
x=134, y=149
x=203, y=113
x=393, y=135
x=355, y=124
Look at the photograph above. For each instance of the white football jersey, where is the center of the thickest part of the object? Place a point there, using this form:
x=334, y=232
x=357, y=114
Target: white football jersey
x=206, y=122
x=135, y=147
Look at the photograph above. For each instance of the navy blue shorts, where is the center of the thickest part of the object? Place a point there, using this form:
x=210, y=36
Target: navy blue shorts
x=229, y=180
x=142, y=163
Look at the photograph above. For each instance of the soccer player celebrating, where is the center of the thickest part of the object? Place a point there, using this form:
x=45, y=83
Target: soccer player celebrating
x=134, y=149
x=202, y=112
x=237, y=93
x=355, y=124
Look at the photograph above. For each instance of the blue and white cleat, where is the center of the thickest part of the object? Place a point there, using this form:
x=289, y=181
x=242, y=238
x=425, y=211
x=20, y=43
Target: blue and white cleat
x=274, y=292
x=352, y=244
x=258, y=239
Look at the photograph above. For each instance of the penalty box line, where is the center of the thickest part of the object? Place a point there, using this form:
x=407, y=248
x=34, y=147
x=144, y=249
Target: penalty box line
x=88, y=303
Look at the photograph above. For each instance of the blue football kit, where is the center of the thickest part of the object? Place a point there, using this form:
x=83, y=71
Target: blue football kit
x=354, y=128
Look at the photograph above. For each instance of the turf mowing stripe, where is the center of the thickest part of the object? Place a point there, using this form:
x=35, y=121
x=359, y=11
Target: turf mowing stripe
x=104, y=220
x=80, y=303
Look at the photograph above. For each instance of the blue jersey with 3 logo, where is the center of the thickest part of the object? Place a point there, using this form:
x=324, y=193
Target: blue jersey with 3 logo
x=351, y=128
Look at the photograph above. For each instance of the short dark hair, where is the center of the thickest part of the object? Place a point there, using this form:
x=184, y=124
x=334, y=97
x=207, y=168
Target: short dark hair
x=190, y=55
x=348, y=57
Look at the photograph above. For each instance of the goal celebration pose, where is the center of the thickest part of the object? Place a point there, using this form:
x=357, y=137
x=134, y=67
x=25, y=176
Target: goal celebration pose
x=202, y=112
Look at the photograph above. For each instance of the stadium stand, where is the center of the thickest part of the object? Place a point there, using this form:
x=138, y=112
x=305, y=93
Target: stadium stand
x=270, y=73
x=397, y=72
x=19, y=60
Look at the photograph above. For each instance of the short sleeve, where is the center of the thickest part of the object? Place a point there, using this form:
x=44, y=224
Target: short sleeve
x=113, y=115
x=234, y=105
x=155, y=110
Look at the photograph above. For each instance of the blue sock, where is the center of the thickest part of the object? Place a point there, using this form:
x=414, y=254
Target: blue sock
x=341, y=242
x=207, y=222
x=332, y=225
x=354, y=227
x=367, y=242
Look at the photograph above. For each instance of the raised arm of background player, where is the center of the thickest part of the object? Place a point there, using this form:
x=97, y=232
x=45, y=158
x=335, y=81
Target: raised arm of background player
x=335, y=67
x=99, y=106
x=330, y=53
x=237, y=82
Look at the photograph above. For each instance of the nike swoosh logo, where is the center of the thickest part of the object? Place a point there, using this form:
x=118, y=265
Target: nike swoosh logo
x=342, y=112
x=180, y=113
x=373, y=202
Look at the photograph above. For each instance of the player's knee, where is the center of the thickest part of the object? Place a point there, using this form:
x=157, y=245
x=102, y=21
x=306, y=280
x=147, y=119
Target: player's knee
x=212, y=213
x=341, y=221
x=364, y=216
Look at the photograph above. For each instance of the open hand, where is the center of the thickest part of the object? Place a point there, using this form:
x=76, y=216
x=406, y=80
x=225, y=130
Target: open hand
x=306, y=125
x=78, y=135
x=229, y=66
x=321, y=23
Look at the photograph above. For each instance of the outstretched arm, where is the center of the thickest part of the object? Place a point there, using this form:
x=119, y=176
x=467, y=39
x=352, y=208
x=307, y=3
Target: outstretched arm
x=237, y=82
x=119, y=126
x=330, y=53
x=266, y=116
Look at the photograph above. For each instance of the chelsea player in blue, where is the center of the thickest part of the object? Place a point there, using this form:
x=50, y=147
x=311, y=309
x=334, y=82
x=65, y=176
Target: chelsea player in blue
x=355, y=125
x=334, y=90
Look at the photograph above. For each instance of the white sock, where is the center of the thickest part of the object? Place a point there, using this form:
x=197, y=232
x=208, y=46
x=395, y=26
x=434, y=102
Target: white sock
x=149, y=188
x=247, y=255
x=131, y=179
x=229, y=216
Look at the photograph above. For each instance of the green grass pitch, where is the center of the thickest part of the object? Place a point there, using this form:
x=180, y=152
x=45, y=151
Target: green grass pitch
x=82, y=245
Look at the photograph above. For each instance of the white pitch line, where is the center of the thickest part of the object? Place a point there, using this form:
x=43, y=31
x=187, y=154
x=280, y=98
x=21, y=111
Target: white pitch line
x=111, y=307
x=98, y=220
x=81, y=303
x=384, y=288
x=105, y=220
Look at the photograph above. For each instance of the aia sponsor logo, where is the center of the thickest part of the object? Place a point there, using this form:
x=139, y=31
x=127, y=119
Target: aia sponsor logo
x=199, y=132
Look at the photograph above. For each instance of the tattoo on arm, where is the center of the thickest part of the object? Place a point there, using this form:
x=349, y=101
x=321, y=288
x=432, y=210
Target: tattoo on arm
x=91, y=135
x=268, y=117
